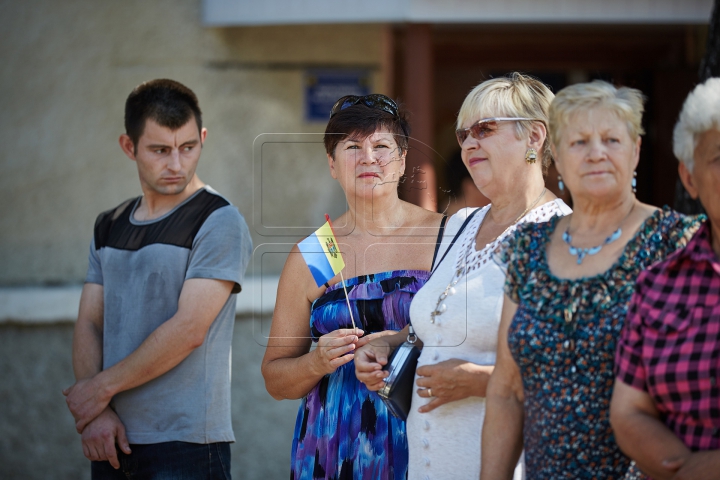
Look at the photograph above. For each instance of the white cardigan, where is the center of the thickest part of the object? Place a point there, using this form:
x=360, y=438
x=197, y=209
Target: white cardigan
x=445, y=443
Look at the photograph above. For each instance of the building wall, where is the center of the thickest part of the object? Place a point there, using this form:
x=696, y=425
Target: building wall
x=249, y=12
x=68, y=67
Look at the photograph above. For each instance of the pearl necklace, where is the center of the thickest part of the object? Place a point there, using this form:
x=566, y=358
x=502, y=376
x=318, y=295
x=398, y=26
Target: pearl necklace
x=450, y=290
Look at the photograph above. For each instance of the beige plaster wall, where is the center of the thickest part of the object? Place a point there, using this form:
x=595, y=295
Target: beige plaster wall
x=67, y=67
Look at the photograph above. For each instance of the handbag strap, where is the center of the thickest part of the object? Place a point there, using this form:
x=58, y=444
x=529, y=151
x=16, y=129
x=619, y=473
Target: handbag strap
x=412, y=337
x=441, y=231
x=457, y=235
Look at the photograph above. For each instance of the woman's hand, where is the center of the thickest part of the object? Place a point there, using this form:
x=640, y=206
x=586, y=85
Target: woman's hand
x=450, y=381
x=290, y=367
x=702, y=465
x=333, y=349
x=643, y=437
x=370, y=360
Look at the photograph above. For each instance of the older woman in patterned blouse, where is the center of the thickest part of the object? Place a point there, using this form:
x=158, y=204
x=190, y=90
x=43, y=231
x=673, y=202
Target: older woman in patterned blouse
x=568, y=286
x=666, y=405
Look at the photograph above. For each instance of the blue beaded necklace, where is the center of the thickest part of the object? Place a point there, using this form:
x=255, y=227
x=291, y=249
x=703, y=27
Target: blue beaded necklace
x=581, y=253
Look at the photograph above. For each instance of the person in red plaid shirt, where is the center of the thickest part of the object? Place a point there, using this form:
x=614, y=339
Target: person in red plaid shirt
x=666, y=405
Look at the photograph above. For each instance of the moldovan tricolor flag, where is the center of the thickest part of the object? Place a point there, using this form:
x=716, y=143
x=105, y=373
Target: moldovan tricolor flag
x=321, y=254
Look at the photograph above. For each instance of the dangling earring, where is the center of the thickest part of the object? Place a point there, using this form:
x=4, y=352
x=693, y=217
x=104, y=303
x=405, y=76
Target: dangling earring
x=530, y=156
x=634, y=182
x=561, y=185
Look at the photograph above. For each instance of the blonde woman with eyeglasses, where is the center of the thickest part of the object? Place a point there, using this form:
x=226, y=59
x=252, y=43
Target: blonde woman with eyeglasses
x=503, y=135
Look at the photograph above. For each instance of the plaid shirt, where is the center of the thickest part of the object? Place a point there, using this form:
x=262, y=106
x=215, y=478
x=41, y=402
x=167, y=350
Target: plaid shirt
x=670, y=345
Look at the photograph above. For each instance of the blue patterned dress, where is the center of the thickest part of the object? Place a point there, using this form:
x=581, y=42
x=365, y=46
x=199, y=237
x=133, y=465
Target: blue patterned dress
x=344, y=431
x=567, y=367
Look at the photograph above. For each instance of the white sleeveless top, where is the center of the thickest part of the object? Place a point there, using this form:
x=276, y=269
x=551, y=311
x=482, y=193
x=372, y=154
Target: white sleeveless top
x=445, y=443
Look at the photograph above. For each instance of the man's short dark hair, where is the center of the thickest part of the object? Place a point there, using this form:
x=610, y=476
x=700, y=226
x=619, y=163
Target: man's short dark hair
x=167, y=102
x=362, y=121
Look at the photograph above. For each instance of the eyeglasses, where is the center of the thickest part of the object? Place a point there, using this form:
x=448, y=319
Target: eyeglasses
x=484, y=128
x=375, y=100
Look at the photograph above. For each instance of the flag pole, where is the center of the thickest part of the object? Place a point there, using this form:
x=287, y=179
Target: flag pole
x=347, y=299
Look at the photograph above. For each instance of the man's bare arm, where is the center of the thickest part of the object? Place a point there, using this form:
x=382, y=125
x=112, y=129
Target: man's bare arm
x=200, y=303
x=88, y=335
x=100, y=435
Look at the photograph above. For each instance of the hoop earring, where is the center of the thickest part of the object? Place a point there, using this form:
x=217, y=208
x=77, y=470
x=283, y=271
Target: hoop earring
x=561, y=185
x=530, y=156
x=633, y=183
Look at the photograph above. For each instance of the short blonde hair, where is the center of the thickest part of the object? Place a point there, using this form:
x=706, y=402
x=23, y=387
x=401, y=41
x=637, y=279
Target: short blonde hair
x=626, y=103
x=700, y=113
x=514, y=95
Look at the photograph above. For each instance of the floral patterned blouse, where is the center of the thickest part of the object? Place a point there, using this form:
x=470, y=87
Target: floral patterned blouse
x=563, y=339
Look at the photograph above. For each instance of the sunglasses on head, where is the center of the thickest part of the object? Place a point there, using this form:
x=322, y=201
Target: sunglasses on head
x=375, y=100
x=483, y=128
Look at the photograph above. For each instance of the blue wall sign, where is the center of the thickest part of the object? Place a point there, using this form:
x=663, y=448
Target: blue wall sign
x=324, y=87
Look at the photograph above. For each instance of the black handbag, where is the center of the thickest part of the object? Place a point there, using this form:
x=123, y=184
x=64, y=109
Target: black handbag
x=397, y=391
x=398, y=388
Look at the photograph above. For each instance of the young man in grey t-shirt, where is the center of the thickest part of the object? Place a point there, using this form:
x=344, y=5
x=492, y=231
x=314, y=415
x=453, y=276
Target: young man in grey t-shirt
x=151, y=351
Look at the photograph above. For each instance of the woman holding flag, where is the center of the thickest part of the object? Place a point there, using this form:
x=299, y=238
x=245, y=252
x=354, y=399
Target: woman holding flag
x=361, y=278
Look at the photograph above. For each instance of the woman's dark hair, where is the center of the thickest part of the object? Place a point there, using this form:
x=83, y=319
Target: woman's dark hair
x=167, y=102
x=362, y=121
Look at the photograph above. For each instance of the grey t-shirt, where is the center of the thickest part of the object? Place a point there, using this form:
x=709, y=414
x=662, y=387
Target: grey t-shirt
x=142, y=267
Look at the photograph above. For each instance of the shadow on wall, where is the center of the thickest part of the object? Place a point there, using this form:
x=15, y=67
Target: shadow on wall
x=37, y=434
